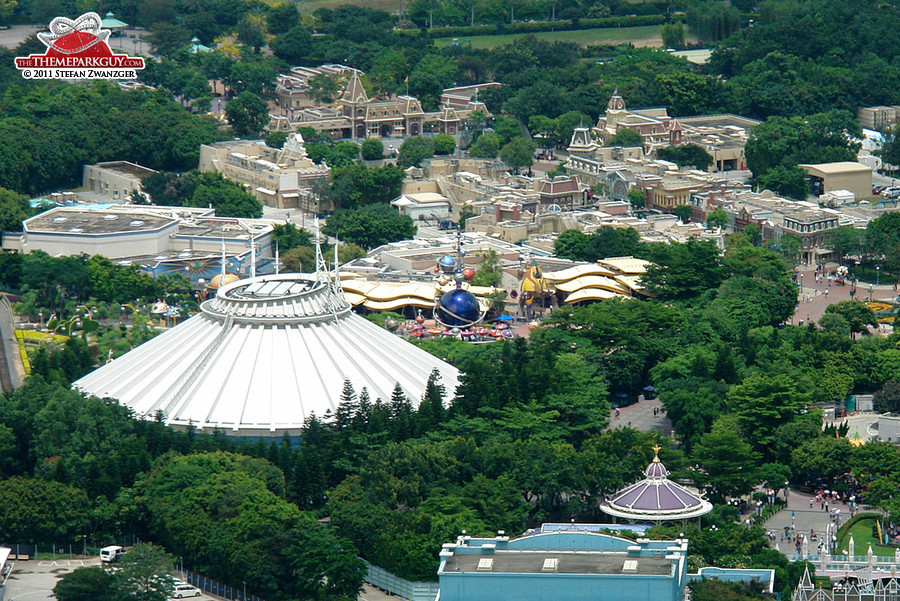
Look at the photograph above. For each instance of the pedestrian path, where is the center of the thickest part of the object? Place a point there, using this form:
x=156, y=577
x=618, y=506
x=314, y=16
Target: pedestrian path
x=802, y=515
x=645, y=415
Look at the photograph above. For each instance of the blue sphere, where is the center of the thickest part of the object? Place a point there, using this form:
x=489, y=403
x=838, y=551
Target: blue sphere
x=458, y=308
x=447, y=263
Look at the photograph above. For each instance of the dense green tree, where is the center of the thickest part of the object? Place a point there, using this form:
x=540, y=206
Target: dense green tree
x=487, y=146
x=858, y=315
x=763, y=403
x=372, y=149
x=683, y=212
x=819, y=138
x=628, y=138
x=883, y=238
x=488, y=272
x=787, y=181
x=370, y=226
x=14, y=209
x=687, y=155
x=846, y=240
x=444, y=144
x=247, y=114
x=717, y=219
x=42, y=512
x=282, y=17
x=673, y=35
x=518, y=153
x=276, y=139
x=354, y=185
x=684, y=270
x=85, y=584
x=288, y=236
x=729, y=462
x=414, y=150
x=636, y=198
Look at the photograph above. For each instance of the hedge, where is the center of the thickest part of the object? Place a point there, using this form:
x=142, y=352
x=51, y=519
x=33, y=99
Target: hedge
x=539, y=26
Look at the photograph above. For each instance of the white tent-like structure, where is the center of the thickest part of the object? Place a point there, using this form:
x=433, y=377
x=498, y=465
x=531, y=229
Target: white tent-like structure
x=262, y=356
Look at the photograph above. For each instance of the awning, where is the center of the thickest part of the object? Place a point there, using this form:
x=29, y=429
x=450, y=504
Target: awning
x=267, y=191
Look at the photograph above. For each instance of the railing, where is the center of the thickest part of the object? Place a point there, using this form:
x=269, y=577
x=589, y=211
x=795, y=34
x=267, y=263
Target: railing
x=413, y=591
x=214, y=587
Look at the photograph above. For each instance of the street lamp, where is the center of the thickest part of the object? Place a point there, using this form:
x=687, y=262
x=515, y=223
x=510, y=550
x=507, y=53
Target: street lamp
x=878, y=275
x=84, y=547
x=244, y=598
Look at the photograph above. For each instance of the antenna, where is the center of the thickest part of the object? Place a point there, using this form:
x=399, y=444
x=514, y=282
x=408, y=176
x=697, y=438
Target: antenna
x=277, y=258
x=252, y=256
x=321, y=268
x=336, y=288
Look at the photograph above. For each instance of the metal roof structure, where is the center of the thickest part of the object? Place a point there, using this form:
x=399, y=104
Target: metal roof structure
x=656, y=498
x=262, y=356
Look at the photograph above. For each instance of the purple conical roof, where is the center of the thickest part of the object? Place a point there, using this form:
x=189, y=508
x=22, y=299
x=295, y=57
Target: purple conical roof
x=656, y=497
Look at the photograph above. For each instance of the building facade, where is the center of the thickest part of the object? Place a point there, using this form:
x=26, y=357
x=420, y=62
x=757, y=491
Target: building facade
x=277, y=178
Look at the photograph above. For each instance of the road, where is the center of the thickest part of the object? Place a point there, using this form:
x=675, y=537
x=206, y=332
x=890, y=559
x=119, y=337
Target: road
x=15, y=35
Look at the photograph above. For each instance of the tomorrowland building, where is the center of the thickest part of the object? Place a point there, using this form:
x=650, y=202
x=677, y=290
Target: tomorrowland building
x=263, y=355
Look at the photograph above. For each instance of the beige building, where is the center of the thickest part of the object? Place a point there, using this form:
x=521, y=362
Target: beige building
x=881, y=118
x=277, y=178
x=116, y=179
x=119, y=231
x=292, y=90
x=722, y=136
x=846, y=175
x=357, y=116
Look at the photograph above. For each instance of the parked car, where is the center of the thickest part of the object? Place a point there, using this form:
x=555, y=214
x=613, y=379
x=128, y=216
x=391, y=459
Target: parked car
x=111, y=554
x=185, y=590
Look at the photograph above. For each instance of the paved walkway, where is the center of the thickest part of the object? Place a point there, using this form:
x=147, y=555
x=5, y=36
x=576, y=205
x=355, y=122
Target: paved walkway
x=804, y=519
x=640, y=417
x=813, y=300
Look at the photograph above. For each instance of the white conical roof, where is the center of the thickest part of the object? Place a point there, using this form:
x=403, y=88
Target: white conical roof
x=263, y=355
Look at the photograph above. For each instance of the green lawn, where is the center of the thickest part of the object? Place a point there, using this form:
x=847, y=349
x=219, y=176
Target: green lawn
x=862, y=536
x=647, y=35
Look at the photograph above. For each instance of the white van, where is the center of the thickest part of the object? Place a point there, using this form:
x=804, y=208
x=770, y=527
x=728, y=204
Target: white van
x=111, y=553
x=185, y=590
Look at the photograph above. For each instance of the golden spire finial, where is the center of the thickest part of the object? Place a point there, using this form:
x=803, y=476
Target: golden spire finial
x=656, y=449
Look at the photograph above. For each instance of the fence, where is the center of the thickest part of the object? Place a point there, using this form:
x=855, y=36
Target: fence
x=413, y=591
x=214, y=587
x=51, y=552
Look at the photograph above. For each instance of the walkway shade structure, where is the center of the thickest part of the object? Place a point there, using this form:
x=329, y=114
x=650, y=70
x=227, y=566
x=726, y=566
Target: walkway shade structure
x=656, y=499
x=262, y=356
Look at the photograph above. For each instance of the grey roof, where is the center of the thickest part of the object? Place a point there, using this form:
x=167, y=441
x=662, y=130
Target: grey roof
x=569, y=562
x=263, y=355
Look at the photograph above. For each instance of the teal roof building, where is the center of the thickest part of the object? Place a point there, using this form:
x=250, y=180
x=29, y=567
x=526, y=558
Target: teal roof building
x=563, y=566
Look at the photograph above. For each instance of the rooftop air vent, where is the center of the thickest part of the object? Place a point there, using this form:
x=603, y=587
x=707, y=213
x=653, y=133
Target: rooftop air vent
x=485, y=564
x=550, y=564
x=631, y=566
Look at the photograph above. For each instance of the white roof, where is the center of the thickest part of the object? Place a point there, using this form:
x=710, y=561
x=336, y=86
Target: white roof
x=261, y=357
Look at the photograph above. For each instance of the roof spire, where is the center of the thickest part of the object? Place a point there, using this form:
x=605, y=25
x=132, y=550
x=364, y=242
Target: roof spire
x=656, y=449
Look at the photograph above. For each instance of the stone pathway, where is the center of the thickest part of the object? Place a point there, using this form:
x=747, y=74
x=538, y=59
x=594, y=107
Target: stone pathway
x=640, y=417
